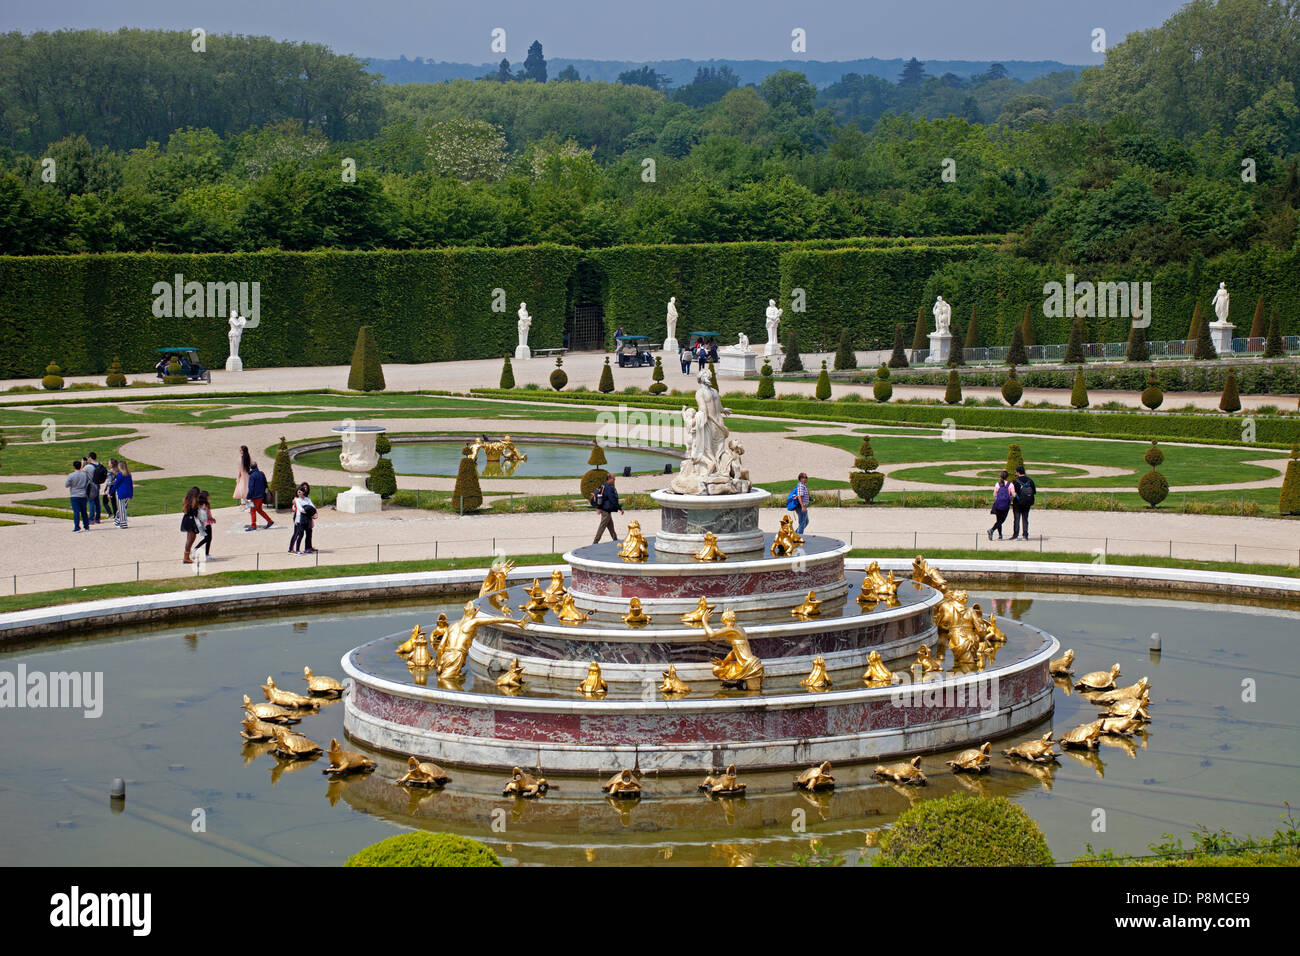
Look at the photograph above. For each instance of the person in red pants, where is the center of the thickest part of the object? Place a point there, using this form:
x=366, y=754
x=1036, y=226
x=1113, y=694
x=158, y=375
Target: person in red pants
x=256, y=495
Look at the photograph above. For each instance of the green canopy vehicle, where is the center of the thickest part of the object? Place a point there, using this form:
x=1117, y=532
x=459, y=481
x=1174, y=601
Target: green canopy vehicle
x=632, y=352
x=187, y=356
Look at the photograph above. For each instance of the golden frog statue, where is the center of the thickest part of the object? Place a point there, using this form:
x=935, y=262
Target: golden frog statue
x=1063, y=665
x=710, y=551
x=740, y=668
x=593, y=685
x=877, y=674
x=925, y=663
x=908, y=772
x=408, y=645
x=271, y=713
x=513, y=677
x=673, y=686
x=816, y=778
x=786, y=539
x=811, y=607
x=421, y=656
x=255, y=729
x=878, y=584
x=536, y=599
x=635, y=617
x=347, y=761
x=1037, y=751
x=1138, y=691
x=422, y=774
x=817, y=678
x=287, y=698
x=972, y=761
x=495, y=579
x=555, y=592
x=321, y=686
x=1084, y=736
x=569, y=613
x=922, y=573
x=525, y=785
x=294, y=746
x=624, y=785
x=1098, y=680
x=696, y=618
x=455, y=646
x=948, y=611
x=723, y=784
x=635, y=547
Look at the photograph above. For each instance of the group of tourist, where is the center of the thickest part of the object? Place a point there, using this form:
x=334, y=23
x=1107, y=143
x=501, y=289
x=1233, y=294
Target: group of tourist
x=94, y=489
x=1017, y=496
x=699, y=352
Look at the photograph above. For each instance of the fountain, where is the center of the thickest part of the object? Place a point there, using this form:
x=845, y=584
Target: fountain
x=710, y=644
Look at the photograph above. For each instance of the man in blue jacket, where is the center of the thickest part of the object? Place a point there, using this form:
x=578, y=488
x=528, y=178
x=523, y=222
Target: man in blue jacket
x=607, y=502
x=256, y=495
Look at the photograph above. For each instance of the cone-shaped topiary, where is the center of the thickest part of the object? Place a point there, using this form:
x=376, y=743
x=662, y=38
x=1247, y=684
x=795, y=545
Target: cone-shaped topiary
x=956, y=354
x=1194, y=329
x=52, y=380
x=425, y=849
x=597, y=456
x=1074, y=354
x=1027, y=327
x=1152, y=396
x=468, y=494
x=845, y=357
x=1137, y=350
x=1012, y=390
x=823, y=383
x=1154, y=456
x=1016, y=355
x=793, y=362
x=657, y=378
x=606, y=378
x=713, y=375
x=1079, y=393
x=1015, y=458
x=1289, y=502
x=116, y=377
x=1273, y=344
x=383, y=480
x=964, y=830
x=1204, y=344
x=882, y=388
x=920, y=339
x=282, y=486
x=595, y=477
x=899, y=358
x=1257, y=324
x=507, y=375
x=972, y=331
x=559, y=377
x=952, y=394
x=1230, y=401
x=766, y=387
x=865, y=480
x=366, y=374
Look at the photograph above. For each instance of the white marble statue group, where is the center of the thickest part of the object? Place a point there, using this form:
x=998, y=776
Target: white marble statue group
x=712, y=465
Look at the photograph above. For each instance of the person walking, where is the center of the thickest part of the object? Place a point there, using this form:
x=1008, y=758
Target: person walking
x=77, y=482
x=1023, y=490
x=606, y=499
x=190, y=521
x=802, y=499
x=685, y=357
x=205, y=523
x=241, y=476
x=109, y=501
x=1003, y=492
x=304, y=516
x=123, y=491
x=256, y=495
x=90, y=467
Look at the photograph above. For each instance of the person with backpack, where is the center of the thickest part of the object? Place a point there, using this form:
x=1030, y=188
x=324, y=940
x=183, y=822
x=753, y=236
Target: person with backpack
x=123, y=492
x=1003, y=492
x=256, y=495
x=798, y=500
x=304, y=516
x=98, y=475
x=606, y=499
x=1022, y=499
x=685, y=358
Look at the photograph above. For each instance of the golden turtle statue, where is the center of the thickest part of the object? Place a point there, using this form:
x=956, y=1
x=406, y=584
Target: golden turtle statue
x=696, y=618
x=555, y=591
x=710, y=551
x=877, y=674
x=975, y=760
x=272, y=713
x=908, y=772
x=255, y=729
x=1098, y=680
x=347, y=761
x=1082, y=737
x=635, y=617
x=723, y=784
x=786, y=538
x=1035, y=751
x=817, y=678
x=1121, y=726
x=525, y=785
x=816, y=778
x=593, y=685
x=634, y=547
x=287, y=698
x=624, y=785
x=1129, y=707
x=422, y=774
x=513, y=677
x=811, y=607
x=1138, y=691
x=741, y=667
x=672, y=684
x=1063, y=665
x=293, y=746
x=570, y=613
x=321, y=686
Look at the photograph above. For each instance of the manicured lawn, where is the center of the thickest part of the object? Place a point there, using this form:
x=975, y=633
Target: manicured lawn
x=18, y=487
x=55, y=458
x=154, y=496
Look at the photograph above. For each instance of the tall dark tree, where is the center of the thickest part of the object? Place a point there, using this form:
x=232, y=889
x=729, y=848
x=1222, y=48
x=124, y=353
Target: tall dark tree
x=535, y=63
x=568, y=75
x=996, y=71
x=645, y=76
x=913, y=74
x=503, y=74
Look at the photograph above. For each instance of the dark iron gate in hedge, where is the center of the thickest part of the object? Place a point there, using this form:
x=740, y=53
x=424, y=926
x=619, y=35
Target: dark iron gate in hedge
x=585, y=331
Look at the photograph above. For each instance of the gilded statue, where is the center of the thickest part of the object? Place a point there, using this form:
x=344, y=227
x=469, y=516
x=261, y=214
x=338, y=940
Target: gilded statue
x=1085, y=736
x=408, y=645
x=593, y=685
x=554, y=594
x=696, y=618
x=321, y=686
x=624, y=785
x=513, y=677
x=1036, y=751
x=438, y=635
x=1121, y=726
x=271, y=713
x=635, y=617
x=255, y=729
x=740, y=668
x=787, y=538
x=673, y=686
x=877, y=674
x=952, y=607
x=922, y=573
x=993, y=634
x=817, y=678
x=1063, y=665
x=287, y=698
x=570, y=613
x=495, y=579
x=908, y=772
x=420, y=774
x=1098, y=680
x=536, y=599
x=972, y=761
x=455, y=646
x=925, y=663
x=634, y=547
x=1127, y=707
x=421, y=656
x=710, y=551
x=811, y=607
x=723, y=784
x=880, y=585
x=347, y=761
x=1138, y=691
x=293, y=746
x=525, y=785
x=816, y=778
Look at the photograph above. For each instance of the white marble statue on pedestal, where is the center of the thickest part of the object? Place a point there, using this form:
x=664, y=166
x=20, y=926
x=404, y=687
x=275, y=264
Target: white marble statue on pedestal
x=942, y=316
x=773, y=324
x=941, y=337
x=1221, y=331
x=525, y=323
x=670, y=343
x=742, y=343
x=236, y=334
x=712, y=465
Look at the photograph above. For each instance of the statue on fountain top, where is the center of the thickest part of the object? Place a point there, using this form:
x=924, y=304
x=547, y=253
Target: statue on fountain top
x=713, y=463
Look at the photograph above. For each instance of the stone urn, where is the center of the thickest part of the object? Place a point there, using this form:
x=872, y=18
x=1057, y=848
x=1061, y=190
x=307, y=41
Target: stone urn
x=358, y=456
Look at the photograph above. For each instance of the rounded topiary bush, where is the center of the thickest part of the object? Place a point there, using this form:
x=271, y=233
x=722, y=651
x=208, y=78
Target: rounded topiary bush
x=1153, y=487
x=1154, y=456
x=116, y=377
x=425, y=849
x=882, y=388
x=1012, y=390
x=507, y=375
x=52, y=380
x=1015, y=458
x=595, y=477
x=952, y=394
x=766, y=387
x=657, y=377
x=865, y=481
x=1152, y=396
x=559, y=377
x=382, y=445
x=964, y=830
x=175, y=374
x=383, y=480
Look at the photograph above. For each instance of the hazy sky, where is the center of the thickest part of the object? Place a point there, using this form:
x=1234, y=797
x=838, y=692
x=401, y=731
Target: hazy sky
x=637, y=29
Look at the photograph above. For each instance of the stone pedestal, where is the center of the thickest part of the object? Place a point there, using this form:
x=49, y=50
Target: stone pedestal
x=685, y=518
x=772, y=350
x=1221, y=336
x=736, y=363
x=359, y=501
x=523, y=352
x=234, y=364
x=358, y=456
x=940, y=348
x=671, y=348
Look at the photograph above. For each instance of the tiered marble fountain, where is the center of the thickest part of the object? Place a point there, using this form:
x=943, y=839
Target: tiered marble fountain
x=469, y=706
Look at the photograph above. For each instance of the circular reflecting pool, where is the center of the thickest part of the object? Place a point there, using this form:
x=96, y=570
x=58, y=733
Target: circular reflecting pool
x=545, y=460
